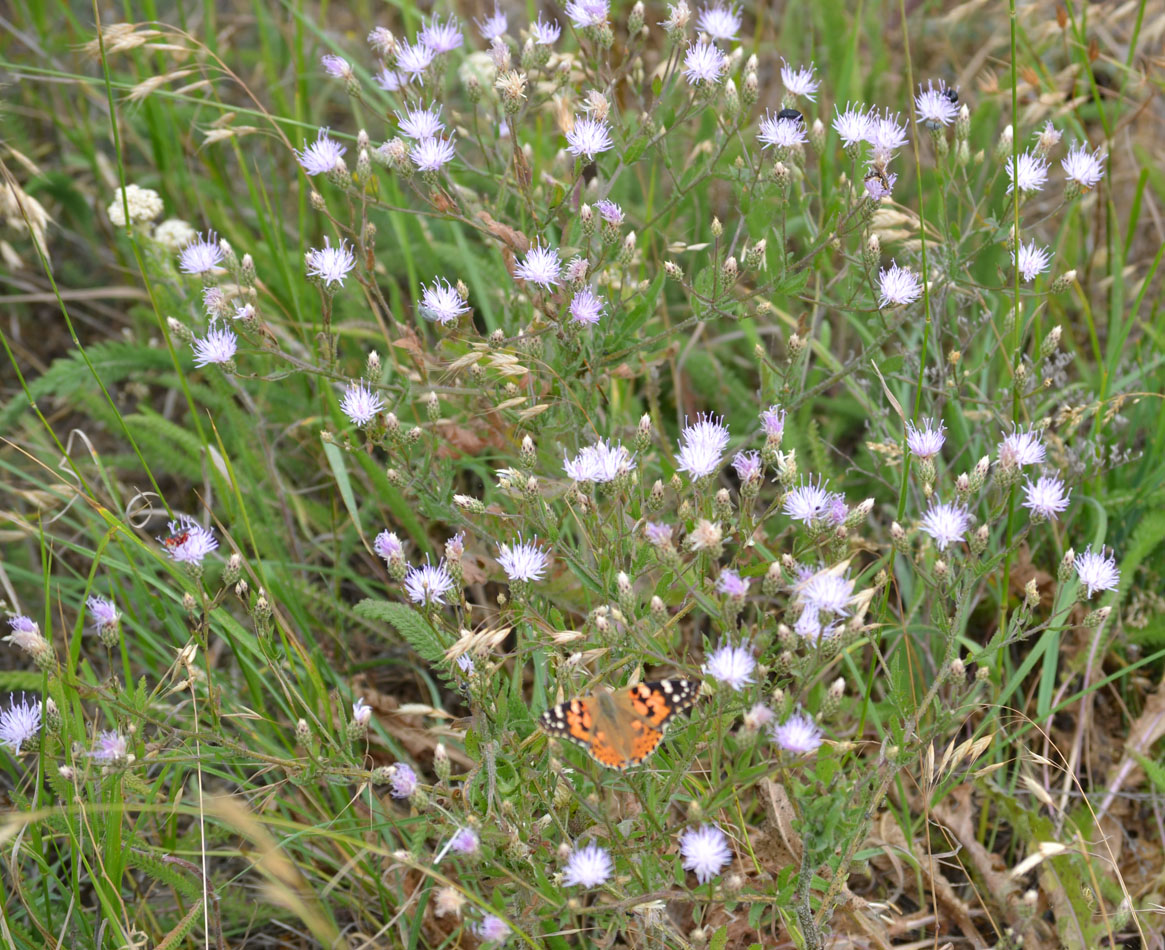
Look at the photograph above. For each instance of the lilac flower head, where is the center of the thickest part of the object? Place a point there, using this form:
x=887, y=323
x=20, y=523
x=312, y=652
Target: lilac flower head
x=442, y=302
x=330, y=265
x=361, y=712
x=702, y=445
x=389, y=79
x=879, y=185
x=748, y=466
x=588, y=867
x=432, y=154
x=103, y=613
x=598, y=463
x=492, y=929
x=418, y=123
x=201, y=255
x=658, y=534
x=542, y=266
x=886, y=136
x=586, y=307
x=853, y=125
x=946, y=523
x=934, y=106
x=782, y=133
x=1082, y=167
x=441, y=37
x=1032, y=172
x=809, y=626
x=1097, y=571
x=898, y=286
x=381, y=40
x=414, y=59
x=428, y=584
x=545, y=34
x=772, y=422
x=26, y=635
x=836, y=510
x=1032, y=260
x=827, y=591
x=609, y=212
x=360, y=404
x=403, y=781
x=730, y=664
x=720, y=21
x=807, y=502
x=731, y=584
x=189, y=542
x=798, y=734
x=1021, y=447
x=19, y=723
x=465, y=841
x=336, y=66
x=219, y=346
x=705, y=851
x=387, y=545
x=324, y=154
x=584, y=13
x=523, y=560
x=110, y=747
x=704, y=63
x=927, y=442
x=799, y=82
x=1045, y=498
x=492, y=26
x=588, y=137
x=465, y=664
x=455, y=546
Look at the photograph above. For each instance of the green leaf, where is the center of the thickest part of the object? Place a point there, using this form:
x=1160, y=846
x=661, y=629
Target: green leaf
x=409, y=624
x=340, y=471
x=719, y=939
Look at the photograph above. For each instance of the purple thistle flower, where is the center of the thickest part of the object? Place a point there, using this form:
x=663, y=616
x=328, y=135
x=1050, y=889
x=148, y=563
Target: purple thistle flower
x=1097, y=571
x=609, y=212
x=747, y=465
x=1046, y=498
x=103, y=613
x=946, y=523
x=19, y=723
x=26, y=635
x=414, y=59
x=545, y=34
x=465, y=841
x=441, y=37
x=586, y=307
x=878, y=185
x=780, y=132
x=428, y=584
x=330, y=265
x=886, y=136
x=324, y=154
x=492, y=26
x=201, y=255
x=658, y=534
x=189, y=542
x=731, y=584
x=1032, y=172
x=389, y=80
x=361, y=712
x=585, y=13
x=772, y=421
x=219, y=346
x=798, y=734
x=588, y=867
x=1083, y=168
x=110, y=747
x=853, y=125
x=705, y=851
x=927, y=442
x=387, y=545
x=1021, y=447
x=1032, y=260
x=523, y=560
x=455, y=546
x=360, y=404
x=492, y=929
x=541, y=266
x=336, y=66
x=704, y=63
x=403, y=781
x=934, y=106
x=702, y=445
x=598, y=463
x=733, y=665
x=418, y=123
x=432, y=154
x=827, y=591
x=442, y=302
x=807, y=502
x=721, y=21
x=799, y=82
x=898, y=286
x=588, y=137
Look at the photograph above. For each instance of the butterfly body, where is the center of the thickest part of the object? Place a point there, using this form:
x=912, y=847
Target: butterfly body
x=620, y=728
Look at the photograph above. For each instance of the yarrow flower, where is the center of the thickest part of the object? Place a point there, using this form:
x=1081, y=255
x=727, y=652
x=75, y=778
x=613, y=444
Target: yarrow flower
x=110, y=747
x=360, y=404
x=545, y=34
x=324, y=154
x=731, y=584
x=418, y=123
x=1032, y=173
x=414, y=59
x=1021, y=447
x=1032, y=261
x=782, y=133
x=732, y=665
x=798, y=734
x=927, y=442
x=934, y=106
x=588, y=867
x=720, y=21
x=704, y=63
x=898, y=286
x=219, y=346
x=799, y=82
x=523, y=560
x=103, y=613
x=584, y=13
x=542, y=266
x=1045, y=498
x=442, y=302
x=705, y=851
x=328, y=264
x=189, y=542
x=403, y=780
x=492, y=929
x=702, y=445
x=492, y=26
x=807, y=502
x=586, y=307
x=598, y=463
x=428, y=584
x=144, y=205
x=441, y=37
x=588, y=137
x=201, y=255
x=853, y=125
x=432, y=154
x=19, y=723
x=1097, y=571
x=946, y=523
x=1083, y=168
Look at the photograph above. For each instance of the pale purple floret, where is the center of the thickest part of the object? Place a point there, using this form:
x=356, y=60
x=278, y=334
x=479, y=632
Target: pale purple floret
x=927, y=442
x=586, y=307
x=218, y=346
x=542, y=266
x=1097, y=571
x=798, y=734
x=1046, y=497
x=189, y=542
x=322, y=155
x=201, y=255
x=702, y=445
x=946, y=523
x=732, y=665
x=587, y=867
x=330, y=265
x=705, y=851
x=441, y=302
x=428, y=584
x=704, y=63
x=523, y=560
x=360, y=404
x=808, y=502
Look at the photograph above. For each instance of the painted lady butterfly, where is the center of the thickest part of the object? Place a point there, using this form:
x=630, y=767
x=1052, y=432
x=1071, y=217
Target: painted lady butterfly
x=621, y=727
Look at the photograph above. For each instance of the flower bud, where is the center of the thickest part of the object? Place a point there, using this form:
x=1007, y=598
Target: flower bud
x=1067, y=566
x=1063, y=282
